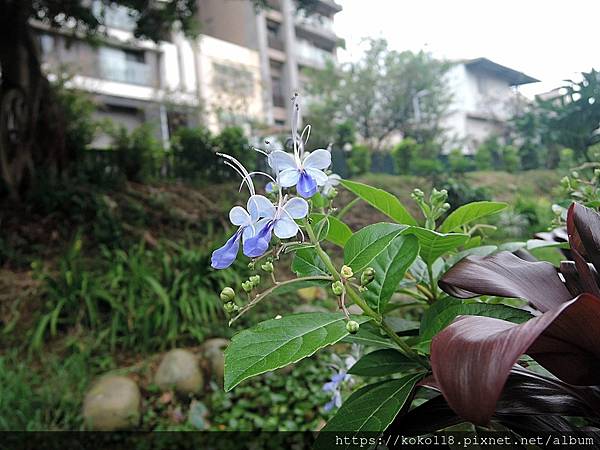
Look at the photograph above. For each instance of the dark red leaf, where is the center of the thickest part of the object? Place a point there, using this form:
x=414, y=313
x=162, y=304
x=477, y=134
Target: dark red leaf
x=506, y=275
x=472, y=358
x=583, y=227
x=528, y=400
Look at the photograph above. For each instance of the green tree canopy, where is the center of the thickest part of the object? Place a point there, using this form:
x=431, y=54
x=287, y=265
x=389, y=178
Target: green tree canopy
x=383, y=93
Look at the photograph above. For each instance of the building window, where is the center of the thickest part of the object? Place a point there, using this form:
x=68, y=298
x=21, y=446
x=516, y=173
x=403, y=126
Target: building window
x=233, y=80
x=273, y=36
x=277, y=89
x=126, y=66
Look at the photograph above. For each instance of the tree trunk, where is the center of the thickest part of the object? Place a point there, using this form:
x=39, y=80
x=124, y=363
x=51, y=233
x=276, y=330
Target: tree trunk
x=31, y=122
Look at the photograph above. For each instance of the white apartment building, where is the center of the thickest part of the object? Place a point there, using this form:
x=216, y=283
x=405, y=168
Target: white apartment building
x=485, y=96
x=240, y=71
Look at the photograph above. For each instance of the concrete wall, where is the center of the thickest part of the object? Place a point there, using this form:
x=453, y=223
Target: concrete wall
x=230, y=83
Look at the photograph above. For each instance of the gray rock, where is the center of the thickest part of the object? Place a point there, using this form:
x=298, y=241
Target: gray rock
x=112, y=403
x=213, y=354
x=179, y=370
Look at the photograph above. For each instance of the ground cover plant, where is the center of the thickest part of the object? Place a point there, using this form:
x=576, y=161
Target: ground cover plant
x=501, y=340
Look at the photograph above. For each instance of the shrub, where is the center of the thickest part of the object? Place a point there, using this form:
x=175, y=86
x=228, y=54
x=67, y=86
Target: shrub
x=567, y=158
x=404, y=153
x=359, y=161
x=510, y=159
x=426, y=167
x=233, y=142
x=193, y=153
x=138, y=153
x=78, y=109
x=459, y=162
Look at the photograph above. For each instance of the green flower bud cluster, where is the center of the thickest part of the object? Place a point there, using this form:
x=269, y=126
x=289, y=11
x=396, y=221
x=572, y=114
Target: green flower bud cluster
x=227, y=297
x=367, y=276
x=337, y=287
x=267, y=267
x=434, y=207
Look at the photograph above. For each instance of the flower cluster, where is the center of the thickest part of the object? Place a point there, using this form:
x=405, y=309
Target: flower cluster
x=262, y=218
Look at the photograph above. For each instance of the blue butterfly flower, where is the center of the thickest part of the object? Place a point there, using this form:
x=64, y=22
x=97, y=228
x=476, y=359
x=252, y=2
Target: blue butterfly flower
x=246, y=220
x=276, y=219
x=305, y=171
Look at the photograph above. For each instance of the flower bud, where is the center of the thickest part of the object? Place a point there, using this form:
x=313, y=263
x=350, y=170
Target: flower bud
x=227, y=295
x=333, y=192
x=267, y=267
x=337, y=287
x=255, y=280
x=346, y=272
x=230, y=307
x=438, y=197
x=417, y=194
x=251, y=265
x=352, y=326
x=445, y=206
x=247, y=286
x=367, y=276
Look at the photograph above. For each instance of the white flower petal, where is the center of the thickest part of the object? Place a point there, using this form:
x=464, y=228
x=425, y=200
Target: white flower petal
x=334, y=179
x=296, y=207
x=260, y=206
x=280, y=160
x=319, y=159
x=239, y=216
x=285, y=228
x=319, y=176
x=288, y=177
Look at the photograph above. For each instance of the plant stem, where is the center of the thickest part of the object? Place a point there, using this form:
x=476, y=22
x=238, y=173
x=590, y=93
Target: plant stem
x=362, y=304
x=347, y=208
x=432, y=284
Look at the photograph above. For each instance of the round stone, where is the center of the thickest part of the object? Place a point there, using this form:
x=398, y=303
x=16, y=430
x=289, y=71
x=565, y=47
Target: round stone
x=179, y=370
x=213, y=353
x=112, y=403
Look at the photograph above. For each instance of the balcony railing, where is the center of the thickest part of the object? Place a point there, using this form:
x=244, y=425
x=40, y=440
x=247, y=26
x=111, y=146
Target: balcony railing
x=316, y=21
x=125, y=72
x=312, y=55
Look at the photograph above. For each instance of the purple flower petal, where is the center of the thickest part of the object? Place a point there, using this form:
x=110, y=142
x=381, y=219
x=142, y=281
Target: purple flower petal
x=223, y=257
x=259, y=244
x=307, y=185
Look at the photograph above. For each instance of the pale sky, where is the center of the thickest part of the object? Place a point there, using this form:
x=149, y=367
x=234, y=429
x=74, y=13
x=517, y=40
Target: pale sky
x=549, y=40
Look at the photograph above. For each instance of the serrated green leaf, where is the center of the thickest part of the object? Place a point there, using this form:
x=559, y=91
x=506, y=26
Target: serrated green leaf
x=390, y=266
x=470, y=212
x=382, y=362
x=444, y=311
x=276, y=343
x=382, y=201
x=370, y=409
x=367, y=243
x=434, y=244
x=306, y=263
x=338, y=232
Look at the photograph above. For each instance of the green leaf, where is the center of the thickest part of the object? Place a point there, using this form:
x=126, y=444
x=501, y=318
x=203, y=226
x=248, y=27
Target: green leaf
x=367, y=243
x=369, y=339
x=434, y=244
x=381, y=200
x=390, y=266
x=370, y=409
x=306, y=263
x=276, y=343
x=382, y=362
x=470, y=212
x=443, y=312
x=338, y=233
